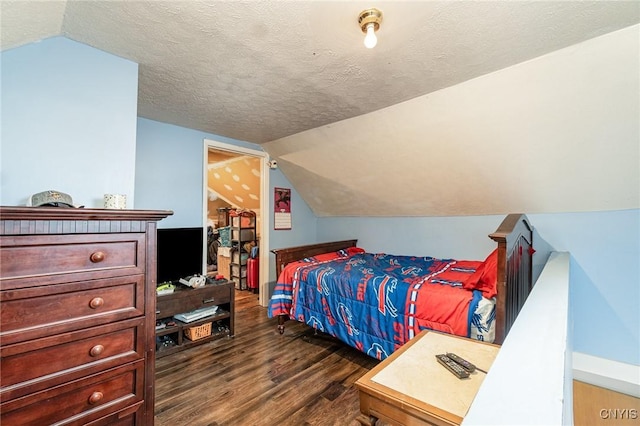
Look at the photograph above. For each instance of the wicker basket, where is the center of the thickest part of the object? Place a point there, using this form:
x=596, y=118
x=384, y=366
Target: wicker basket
x=198, y=332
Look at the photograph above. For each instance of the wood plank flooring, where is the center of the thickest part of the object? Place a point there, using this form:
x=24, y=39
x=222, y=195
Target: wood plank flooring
x=593, y=405
x=260, y=377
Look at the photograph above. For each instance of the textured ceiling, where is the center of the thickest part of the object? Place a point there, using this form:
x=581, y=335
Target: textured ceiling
x=463, y=107
x=262, y=70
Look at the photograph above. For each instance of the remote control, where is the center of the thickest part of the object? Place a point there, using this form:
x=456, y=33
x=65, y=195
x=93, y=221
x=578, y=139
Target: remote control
x=458, y=371
x=463, y=362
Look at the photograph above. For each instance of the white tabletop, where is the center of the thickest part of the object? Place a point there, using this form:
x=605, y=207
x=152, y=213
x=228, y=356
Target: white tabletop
x=418, y=374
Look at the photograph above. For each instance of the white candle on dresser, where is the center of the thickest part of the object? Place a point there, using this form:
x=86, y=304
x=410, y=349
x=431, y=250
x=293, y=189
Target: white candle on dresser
x=115, y=201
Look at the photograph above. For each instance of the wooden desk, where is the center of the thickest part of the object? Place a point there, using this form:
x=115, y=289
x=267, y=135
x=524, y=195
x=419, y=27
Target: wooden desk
x=411, y=388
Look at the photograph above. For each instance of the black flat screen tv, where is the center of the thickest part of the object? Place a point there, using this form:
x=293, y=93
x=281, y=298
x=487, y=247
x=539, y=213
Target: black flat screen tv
x=179, y=253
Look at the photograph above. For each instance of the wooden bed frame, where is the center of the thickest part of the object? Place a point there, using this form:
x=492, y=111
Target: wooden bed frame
x=514, y=237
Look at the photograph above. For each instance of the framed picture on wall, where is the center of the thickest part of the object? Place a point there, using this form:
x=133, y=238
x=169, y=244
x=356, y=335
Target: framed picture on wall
x=282, y=208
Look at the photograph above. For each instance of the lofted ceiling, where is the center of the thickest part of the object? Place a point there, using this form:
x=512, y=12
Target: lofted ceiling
x=294, y=75
x=235, y=179
x=258, y=71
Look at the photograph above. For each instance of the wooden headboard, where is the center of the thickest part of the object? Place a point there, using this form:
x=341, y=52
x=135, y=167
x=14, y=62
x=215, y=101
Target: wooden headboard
x=291, y=254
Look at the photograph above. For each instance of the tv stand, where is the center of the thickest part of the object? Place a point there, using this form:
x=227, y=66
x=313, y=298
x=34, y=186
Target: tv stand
x=172, y=339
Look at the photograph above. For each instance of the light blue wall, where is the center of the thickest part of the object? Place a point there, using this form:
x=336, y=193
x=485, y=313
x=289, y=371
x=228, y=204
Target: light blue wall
x=169, y=176
x=303, y=221
x=605, y=271
x=68, y=122
x=169, y=171
x=443, y=237
x=605, y=279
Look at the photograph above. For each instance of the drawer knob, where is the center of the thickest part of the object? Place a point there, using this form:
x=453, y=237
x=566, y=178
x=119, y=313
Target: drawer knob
x=97, y=257
x=96, y=350
x=95, y=397
x=96, y=302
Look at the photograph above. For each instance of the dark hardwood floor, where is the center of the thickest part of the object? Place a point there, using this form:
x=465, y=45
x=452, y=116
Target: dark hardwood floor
x=260, y=377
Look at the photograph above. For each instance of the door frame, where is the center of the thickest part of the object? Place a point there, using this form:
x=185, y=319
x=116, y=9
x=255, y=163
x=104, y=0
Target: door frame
x=265, y=214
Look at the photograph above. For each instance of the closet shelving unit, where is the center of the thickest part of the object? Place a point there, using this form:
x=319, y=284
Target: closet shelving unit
x=243, y=232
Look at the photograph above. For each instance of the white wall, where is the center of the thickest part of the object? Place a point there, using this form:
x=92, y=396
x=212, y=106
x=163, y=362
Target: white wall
x=68, y=122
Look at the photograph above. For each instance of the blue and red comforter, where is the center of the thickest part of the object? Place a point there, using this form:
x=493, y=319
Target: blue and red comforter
x=378, y=302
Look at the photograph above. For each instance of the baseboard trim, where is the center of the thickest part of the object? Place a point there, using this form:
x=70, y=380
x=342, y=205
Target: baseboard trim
x=608, y=374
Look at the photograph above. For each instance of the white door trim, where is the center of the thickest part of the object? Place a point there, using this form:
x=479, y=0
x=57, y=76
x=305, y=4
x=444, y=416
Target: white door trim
x=265, y=214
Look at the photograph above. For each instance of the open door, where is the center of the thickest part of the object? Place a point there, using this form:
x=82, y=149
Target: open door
x=237, y=178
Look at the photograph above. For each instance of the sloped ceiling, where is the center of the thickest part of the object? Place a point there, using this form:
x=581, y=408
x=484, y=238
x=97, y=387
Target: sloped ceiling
x=280, y=73
x=236, y=180
x=560, y=133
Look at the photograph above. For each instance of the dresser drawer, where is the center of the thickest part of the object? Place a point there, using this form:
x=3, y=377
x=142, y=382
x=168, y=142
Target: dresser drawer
x=58, y=359
x=78, y=402
x=31, y=313
x=130, y=416
x=49, y=256
x=186, y=300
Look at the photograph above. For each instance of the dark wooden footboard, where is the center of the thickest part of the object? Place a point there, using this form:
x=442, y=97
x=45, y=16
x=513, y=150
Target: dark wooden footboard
x=514, y=237
x=515, y=278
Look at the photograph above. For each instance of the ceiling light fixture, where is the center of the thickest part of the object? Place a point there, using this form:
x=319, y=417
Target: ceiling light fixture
x=369, y=21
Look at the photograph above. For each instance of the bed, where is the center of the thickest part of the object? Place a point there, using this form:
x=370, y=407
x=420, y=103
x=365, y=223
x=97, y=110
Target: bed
x=376, y=302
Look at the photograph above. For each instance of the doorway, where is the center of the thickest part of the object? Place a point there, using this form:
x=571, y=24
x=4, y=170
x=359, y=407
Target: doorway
x=242, y=183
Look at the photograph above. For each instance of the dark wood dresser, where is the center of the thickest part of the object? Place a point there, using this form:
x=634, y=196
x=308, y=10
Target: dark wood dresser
x=77, y=316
